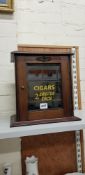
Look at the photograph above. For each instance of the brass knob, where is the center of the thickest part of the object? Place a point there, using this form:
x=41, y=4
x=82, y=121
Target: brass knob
x=22, y=87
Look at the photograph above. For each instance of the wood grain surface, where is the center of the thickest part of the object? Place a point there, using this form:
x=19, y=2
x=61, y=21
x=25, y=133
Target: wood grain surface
x=56, y=152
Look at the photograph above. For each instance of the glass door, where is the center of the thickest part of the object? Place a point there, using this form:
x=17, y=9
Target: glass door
x=44, y=83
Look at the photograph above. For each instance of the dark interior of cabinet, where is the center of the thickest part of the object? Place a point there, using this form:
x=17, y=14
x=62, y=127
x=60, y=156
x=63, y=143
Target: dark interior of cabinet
x=43, y=88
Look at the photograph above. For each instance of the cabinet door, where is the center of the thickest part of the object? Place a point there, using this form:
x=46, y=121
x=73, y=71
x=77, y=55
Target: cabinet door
x=43, y=90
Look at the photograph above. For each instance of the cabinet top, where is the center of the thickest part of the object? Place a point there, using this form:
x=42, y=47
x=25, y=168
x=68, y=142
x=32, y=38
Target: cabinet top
x=15, y=54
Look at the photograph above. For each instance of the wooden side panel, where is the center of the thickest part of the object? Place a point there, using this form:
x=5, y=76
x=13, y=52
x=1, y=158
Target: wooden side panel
x=41, y=49
x=78, y=78
x=56, y=152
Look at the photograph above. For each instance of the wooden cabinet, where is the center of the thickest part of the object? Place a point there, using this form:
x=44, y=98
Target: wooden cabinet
x=43, y=88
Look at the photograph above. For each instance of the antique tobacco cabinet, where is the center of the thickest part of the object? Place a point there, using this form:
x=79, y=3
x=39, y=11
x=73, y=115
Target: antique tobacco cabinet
x=43, y=88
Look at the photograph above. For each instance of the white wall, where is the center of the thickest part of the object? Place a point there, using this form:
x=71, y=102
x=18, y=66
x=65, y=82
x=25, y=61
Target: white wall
x=9, y=149
x=48, y=22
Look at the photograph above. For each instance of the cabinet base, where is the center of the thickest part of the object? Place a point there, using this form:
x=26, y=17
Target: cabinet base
x=15, y=123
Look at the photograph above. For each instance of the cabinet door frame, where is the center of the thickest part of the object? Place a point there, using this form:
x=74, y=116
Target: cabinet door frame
x=21, y=88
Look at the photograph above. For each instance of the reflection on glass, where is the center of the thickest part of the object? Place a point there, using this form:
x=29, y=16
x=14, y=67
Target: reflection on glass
x=44, y=86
